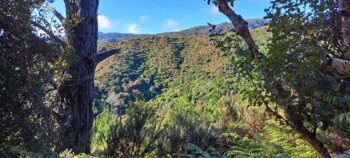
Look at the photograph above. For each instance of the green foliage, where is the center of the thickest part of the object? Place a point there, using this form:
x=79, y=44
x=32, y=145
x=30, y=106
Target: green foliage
x=301, y=34
x=147, y=66
x=138, y=134
x=194, y=101
x=26, y=75
x=300, y=47
x=248, y=74
x=18, y=151
x=103, y=130
x=331, y=99
x=272, y=141
x=69, y=154
x=196, y=151
x=342, y=121
x=281, y=141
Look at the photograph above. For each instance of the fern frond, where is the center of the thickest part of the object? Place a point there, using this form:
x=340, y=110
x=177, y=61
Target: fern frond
x=328, y=98
x=342, y=119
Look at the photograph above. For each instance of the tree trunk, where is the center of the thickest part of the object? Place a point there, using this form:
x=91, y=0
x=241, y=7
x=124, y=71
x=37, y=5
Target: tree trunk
x=76, y=88
x=343, y=65
x=344, y=7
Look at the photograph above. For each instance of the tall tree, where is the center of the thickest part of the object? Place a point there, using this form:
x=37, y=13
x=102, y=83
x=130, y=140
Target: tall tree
x=26, y=70
x=75, y=90
x=294, y=93
x=344, y=7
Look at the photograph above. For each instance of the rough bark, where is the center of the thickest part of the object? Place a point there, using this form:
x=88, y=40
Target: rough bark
x=76, y=89
x=344, y=7
x=241, y=29
x=74, y=98
x=338, y=64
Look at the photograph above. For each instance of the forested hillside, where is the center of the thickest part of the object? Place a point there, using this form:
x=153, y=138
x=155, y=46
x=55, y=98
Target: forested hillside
x=147, y=65
x=182, y=97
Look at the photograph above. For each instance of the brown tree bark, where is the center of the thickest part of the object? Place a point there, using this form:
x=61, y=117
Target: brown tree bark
x=76, y=88
x=344, y=7
x=75, y=91
x=343, y=65
x=241, y=29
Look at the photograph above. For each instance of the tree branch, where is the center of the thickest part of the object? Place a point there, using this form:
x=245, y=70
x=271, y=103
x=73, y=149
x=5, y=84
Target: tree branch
x=48, y=32
x=241, y=29
x=54, y=12
x=104, y=55
x=47, y=24
x=340, y=65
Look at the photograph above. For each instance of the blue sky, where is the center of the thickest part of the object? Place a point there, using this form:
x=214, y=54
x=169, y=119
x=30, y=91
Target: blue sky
x=155, y=16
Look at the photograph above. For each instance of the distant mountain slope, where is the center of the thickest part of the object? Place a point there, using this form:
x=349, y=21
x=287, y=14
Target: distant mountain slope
x=199, y=30
x=114, y=37
x=102, y=35
x=220, y=28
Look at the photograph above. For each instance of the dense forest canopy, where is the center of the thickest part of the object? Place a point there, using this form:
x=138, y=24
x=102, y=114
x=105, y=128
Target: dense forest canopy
x=273, y=87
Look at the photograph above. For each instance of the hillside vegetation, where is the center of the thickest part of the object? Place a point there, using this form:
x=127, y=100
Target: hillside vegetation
x=178, y=95
x=147, y=65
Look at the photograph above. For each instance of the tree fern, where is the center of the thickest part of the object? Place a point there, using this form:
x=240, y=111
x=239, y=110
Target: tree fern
x=328, y=98
x=103, y=128
x=343, y=120
x=196, y=151
x=273, y=141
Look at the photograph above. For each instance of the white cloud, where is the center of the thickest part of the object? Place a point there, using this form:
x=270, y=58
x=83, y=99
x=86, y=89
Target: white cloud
x=133, y=28
x=171, y=24
x=105, y=23
x=143, y=18
x=214, y=10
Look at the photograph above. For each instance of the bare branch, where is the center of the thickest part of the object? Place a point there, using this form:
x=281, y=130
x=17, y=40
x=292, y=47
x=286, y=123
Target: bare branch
x=47, y=24
x=48, y=32
x=54, y=12
x=241, y=28
x=104, y=55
